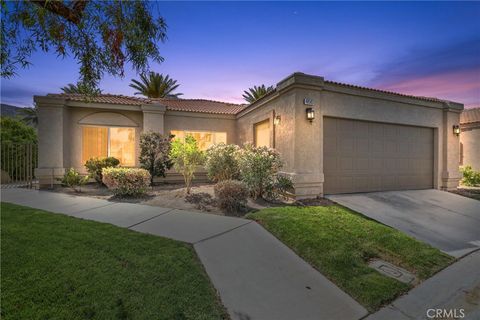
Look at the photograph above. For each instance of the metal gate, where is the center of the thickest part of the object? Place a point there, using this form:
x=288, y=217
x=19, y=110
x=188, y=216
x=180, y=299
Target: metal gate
x=18, y=162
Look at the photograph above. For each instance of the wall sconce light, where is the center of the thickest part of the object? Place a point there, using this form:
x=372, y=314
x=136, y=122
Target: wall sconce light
x=276, y=120
x=456, y=130
x=310, y=114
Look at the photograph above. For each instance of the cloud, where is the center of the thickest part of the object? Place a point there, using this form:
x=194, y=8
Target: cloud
x=18, y=94
x=449, y=72
x=426, y=61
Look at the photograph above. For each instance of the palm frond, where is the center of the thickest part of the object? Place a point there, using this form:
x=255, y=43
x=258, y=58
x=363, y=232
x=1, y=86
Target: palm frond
x=155, y=85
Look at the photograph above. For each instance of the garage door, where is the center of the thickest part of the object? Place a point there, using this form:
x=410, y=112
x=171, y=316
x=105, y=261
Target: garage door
x=361, y=156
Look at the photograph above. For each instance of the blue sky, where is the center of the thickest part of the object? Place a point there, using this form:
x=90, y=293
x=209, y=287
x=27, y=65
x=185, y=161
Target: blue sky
x=218, y=49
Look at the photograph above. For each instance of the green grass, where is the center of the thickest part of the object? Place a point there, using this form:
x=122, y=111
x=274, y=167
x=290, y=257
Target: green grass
x=58, y=267
x=339, y=242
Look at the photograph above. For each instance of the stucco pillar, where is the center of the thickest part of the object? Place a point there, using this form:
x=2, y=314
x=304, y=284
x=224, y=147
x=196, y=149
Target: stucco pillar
x=451, y=150
x=153, y=118
x=51, y=114
x=307, y=175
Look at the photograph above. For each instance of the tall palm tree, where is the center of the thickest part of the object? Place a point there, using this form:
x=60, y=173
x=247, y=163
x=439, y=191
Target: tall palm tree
x=30, y=115
x=253, y=94
x=80, y=88
x=155, y=85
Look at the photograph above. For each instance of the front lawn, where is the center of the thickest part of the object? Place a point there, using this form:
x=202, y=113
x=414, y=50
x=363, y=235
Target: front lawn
x=339, y=243
x=58, y=267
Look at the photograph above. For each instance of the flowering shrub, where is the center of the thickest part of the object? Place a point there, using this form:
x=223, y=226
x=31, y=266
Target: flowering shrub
x=221, y=162
x=231, y=195
x=74, y=180
x=258, y=168
x=126, y=181
x=470, y=178
x=95, y=166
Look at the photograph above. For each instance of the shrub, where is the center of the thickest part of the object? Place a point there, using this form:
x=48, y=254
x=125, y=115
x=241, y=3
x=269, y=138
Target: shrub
x=186, y=156
x=231, y=196
x=74, y=180
x=96, y=165
x=221, y=162
x=470, y=178
x=126, y=181
x=280, y=187
x=154, y=153
x=258, y=168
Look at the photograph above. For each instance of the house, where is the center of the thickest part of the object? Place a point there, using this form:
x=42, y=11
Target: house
x=333, y=137
x=470, y=138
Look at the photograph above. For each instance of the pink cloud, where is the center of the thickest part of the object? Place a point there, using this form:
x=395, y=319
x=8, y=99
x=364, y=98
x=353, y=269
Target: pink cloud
x=459, y=86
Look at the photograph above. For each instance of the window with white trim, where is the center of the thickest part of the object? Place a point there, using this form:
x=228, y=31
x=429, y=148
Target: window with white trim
x=100, y=142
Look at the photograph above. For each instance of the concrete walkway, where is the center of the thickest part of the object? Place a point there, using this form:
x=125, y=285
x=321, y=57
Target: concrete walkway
x=256, y=275
x=454, y=288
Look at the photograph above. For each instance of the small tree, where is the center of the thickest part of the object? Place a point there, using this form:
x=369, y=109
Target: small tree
x=154, y=154
x=186, y=156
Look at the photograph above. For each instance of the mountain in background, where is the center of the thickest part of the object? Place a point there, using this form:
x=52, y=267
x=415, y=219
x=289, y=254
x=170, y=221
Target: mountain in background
x=7, y=110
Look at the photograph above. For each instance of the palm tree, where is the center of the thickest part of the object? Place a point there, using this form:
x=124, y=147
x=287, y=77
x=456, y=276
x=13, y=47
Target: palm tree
x=30, y=115
x=80, y=88
x=155, y=85
x=253, y=94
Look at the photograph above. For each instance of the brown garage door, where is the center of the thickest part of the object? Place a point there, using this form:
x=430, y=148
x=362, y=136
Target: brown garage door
x=361, y=156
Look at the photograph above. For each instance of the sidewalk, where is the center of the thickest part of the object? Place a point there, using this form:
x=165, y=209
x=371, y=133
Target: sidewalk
x=257, y=276
x=454, y=288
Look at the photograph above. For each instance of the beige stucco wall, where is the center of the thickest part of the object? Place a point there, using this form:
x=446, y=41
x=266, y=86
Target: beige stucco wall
x=61, y=123
x=470, y=140
x=301, y=142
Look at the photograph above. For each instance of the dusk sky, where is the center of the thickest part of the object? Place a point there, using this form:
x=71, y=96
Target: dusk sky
x=218, y=49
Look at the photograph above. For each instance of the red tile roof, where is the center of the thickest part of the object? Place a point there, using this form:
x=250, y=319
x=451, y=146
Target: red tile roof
x=201, y=105
x=102, y=98
x=470, y=116
x=189, y=105
x=384, y=91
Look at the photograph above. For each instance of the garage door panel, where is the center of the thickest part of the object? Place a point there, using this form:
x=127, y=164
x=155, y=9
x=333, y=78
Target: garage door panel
x=362, y=156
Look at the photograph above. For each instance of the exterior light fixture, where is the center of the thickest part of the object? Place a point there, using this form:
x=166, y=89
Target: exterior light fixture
x=276, y=120
x=456, y=130
x=310, y=114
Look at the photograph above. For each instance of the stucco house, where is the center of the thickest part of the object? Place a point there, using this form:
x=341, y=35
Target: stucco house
x=470, y=138
x=333, y=137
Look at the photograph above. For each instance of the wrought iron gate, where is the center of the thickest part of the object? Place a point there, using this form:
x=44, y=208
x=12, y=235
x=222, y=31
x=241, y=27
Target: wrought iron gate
x=18, y=162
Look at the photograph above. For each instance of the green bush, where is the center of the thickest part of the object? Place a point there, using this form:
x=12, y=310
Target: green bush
x=258, y=169
x=126, y=181
x=74, y=180
x=231, y=196
x=470, y=178
x=96, y=165
x=186, y=157
x=221, y=162
x=154, y=153
x=281, y=186
x=15, y=131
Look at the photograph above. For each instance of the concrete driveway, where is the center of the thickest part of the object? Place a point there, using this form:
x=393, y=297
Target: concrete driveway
x=444, y=220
